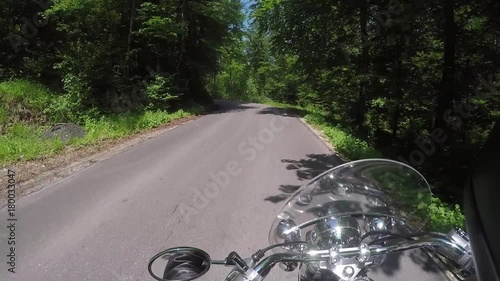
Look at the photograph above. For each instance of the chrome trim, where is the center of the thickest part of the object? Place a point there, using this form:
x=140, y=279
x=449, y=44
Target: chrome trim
x=272, y=260
x=356, y=252
x=334, y=255
x=420, y=243
x=364, y=253
x=350, y=214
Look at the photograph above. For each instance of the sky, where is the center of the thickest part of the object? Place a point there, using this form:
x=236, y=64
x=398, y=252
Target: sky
x=246, y=10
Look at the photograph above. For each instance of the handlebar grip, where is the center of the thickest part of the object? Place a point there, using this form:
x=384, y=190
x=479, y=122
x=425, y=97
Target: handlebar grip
x=234, y=259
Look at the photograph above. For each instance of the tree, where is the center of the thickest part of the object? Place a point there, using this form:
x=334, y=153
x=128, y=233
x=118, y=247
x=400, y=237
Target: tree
x=395, y=73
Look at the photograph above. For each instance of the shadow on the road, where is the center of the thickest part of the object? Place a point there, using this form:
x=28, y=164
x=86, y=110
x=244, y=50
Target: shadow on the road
x=288, y=112
x=418, y=258
x=424, y=260
x=233, y=108
x=314, y=165
x=225, y=106
x=277, y=198
x=306, y=169
x=287, y=190
x=391, y=265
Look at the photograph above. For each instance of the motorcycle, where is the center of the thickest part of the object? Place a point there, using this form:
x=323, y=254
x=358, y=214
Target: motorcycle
x=337, y=227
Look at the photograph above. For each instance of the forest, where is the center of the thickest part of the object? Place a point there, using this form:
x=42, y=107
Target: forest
x=416, y=81
x=105, y=52
x=114, y=67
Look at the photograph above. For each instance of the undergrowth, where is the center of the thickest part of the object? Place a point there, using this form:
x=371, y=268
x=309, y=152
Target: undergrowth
x=28, y=109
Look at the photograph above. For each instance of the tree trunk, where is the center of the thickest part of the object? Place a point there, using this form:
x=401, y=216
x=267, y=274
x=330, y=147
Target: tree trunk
x=230, y=76
x=182, y=40
x=131, y=27
x=447, y=86
x=363, y=66
x=396, y=113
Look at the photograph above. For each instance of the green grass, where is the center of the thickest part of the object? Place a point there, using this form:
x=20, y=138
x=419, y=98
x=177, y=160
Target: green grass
x=28, y=109
x=31, y=95
x=22, y=142
x=349, y=146
x=346, y=144
x=25, y=142
x=117, y=126
x=441, y=216
x=27, y=102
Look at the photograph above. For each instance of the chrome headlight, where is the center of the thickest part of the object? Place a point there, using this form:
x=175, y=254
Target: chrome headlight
x=343, y=231
x=380, y=224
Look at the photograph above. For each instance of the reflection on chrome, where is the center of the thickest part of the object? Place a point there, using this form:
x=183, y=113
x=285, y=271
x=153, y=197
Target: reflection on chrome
x=361, y=253
x=287, y=230
x=381, y=224
x=338, y=231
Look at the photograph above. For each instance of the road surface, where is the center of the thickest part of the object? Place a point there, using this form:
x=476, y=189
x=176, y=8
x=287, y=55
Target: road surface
x=105, y=222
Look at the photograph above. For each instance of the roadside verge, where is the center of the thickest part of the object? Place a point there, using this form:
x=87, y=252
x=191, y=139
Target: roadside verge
x=34, y=175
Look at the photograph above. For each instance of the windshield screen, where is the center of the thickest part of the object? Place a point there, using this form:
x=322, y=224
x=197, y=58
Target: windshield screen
x=342, y=204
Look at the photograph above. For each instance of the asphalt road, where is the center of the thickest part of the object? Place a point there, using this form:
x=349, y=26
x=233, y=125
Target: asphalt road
x=105, y=222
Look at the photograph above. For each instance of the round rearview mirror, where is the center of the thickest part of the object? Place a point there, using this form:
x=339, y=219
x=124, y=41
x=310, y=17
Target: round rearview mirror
x=179, y=264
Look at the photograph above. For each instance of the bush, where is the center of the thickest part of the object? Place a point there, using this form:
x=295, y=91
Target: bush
x=28, y=102
x=160, y=93
x=442, y=216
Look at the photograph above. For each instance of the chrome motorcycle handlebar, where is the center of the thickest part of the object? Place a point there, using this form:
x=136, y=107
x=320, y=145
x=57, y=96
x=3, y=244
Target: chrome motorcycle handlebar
x=362, y=253
x=272, y=260
x=347, y=262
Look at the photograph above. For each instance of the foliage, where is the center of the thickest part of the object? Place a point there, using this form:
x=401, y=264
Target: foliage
x=386, y=73
x=28, y=109
x=103, y=54
x=442, y=216
x=25, y=142
x=160, y=93
x=346, y=144
x=120, y=125
x=370, y=74
x=28, y=102
x=112, y=66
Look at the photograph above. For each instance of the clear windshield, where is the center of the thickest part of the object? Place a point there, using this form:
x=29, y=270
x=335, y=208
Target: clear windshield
x=343, y=204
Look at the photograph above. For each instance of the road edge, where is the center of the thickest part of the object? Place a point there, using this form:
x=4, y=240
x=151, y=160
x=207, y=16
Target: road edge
x=319, y=134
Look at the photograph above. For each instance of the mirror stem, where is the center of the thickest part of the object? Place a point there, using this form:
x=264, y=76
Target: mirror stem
x=235, y=259
x=220, y=262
